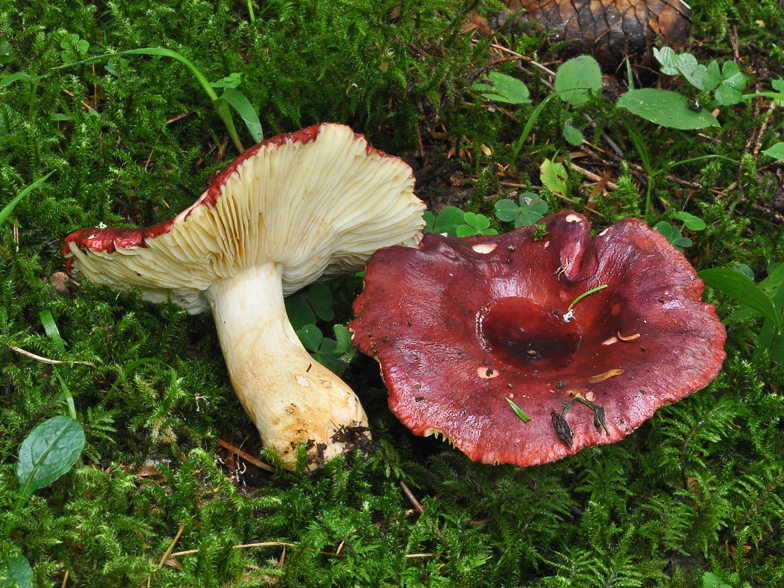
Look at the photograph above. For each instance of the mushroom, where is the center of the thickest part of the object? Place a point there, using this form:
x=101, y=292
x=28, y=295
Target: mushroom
x=291, y=210
x=585, y=337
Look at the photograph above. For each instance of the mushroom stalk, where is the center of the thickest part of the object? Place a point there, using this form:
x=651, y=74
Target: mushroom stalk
x=289, y=396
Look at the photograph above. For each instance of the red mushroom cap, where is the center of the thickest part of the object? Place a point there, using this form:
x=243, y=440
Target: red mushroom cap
x=461, y=325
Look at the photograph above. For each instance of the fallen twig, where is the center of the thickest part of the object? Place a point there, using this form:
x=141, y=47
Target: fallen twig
x=47, y=360
x=246, y=456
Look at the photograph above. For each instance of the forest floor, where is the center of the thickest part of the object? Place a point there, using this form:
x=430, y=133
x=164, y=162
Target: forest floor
x=173, y=487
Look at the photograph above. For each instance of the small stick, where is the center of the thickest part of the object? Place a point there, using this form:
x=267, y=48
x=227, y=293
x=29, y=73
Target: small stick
x=758, y=142
x=246, y=456
x=47, y=360
x=179, y=117
x=411, y=497
x=611, y=186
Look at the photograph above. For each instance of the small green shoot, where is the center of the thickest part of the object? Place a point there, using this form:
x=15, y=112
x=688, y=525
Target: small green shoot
x=569, y=314
x=73, y=47
x=530, y=210
x=518, y=411
x=53, y=333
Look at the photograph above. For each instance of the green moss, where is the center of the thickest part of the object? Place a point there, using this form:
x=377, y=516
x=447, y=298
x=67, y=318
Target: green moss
x=699, y=488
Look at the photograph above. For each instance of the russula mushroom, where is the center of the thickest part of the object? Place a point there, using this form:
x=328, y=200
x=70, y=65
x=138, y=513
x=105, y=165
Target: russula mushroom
x=586, y=336
x=291, y=210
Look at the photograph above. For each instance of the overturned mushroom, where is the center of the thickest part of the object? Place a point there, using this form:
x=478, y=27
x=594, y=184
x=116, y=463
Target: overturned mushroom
x=586, y=337
x=289, y=211
x=607, y=29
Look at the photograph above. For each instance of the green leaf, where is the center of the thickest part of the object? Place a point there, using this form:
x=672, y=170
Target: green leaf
x=115, y=65
x=448, y=220
x=320, y=298
x=19, y=572
x=466, y=231
x=772, y=285
x=778, y=84
x=299, y=312
x=478, y=221
x=240, y=103
x=430, y=220
x=668, y=60
x=742, y=289
x=48, y=452
x=673, y=234
x=518, y=411
x=504, y=89
x=576, y=77
x=727, y=96
x=20, y=75
x=712, y=77
x=6, y=53
x=693, y=223
x=51, y=329
x=532, y=209
x=311, y=337
x=5, y=119
x=554, y=177
x=506, y=210
x=231, y=81
x=744, y=269
x=692, y=70
x=571, y=134
x=776, y=151
x=666, y=108
x=343, y=338
x=10, y=206
x=732, y=77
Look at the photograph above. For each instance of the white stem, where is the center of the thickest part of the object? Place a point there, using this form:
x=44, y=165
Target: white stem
x=289, y=396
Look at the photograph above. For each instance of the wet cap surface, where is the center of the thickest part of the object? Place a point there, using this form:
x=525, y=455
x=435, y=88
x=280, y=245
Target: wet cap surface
x=461, y=325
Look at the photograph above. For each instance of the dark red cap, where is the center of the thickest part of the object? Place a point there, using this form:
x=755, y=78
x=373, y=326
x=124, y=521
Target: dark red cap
x=461, y=325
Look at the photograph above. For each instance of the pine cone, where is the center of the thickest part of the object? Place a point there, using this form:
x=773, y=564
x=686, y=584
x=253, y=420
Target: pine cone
x=606, y=29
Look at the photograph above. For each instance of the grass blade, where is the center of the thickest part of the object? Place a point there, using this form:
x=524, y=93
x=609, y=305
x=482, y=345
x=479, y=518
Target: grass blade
x=4, y=214
x=742, y=289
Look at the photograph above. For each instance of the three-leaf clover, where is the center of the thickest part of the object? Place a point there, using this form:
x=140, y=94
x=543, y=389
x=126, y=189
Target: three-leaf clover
x=528, y=212
x=674, y=235
x=475, y=224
